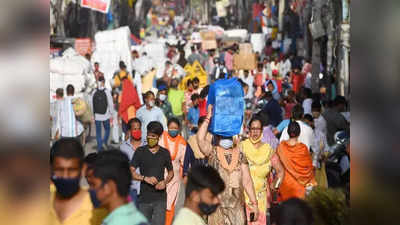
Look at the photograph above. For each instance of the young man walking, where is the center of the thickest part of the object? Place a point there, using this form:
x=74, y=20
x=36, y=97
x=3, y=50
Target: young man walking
x=103, y=108
x=152, y=161
x=111, y=180
x=202, y=189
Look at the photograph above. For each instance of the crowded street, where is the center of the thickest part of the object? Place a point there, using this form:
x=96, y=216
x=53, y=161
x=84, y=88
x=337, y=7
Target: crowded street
x=217, y=112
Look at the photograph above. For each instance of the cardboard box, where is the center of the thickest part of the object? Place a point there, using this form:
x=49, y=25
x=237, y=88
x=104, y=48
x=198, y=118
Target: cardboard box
x=245, y=48
x=244, y=61
x=208, y=44
x=207, y=35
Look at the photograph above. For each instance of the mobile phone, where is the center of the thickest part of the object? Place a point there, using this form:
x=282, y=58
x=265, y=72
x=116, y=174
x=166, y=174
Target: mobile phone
x=252, y=219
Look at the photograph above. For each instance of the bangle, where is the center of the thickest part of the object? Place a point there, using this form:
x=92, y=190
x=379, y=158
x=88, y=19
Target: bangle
x=143, y=178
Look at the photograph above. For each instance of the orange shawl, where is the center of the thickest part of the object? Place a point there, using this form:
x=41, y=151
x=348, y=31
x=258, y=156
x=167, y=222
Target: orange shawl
x=129, y=99
x=299, y=170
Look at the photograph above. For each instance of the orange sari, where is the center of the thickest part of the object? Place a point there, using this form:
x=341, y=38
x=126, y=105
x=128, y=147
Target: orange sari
x=299, y=171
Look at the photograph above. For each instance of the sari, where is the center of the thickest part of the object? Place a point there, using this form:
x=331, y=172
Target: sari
x=299, y=170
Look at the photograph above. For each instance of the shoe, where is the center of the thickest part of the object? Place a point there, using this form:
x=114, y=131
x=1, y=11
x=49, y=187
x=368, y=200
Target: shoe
x=105, y=147
x=114, y=143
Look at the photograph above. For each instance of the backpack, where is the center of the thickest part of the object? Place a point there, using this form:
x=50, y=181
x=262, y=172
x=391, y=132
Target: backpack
x=100, y=103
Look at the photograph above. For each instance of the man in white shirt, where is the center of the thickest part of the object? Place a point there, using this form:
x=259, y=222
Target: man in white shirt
x=319, y=120
x=286, y=66
x=103, y=108
x=148, y=113
x=66, y=123
x=248, y=79
x=306, y=132
x=307, y=96
x=204, y=184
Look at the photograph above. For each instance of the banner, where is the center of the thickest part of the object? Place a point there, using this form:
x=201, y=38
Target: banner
x=97, y=5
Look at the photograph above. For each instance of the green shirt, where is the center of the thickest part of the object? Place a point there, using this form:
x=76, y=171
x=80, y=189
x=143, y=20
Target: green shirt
x=176, y=98
x=167, y=109
x=126, y=214
x=187, y=216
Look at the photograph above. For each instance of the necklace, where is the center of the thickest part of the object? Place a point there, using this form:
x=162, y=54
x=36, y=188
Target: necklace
x=222, y=159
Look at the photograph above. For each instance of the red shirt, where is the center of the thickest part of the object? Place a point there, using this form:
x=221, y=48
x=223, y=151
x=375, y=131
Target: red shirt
x=279, y=84
x=297, y=82
x=203, y=107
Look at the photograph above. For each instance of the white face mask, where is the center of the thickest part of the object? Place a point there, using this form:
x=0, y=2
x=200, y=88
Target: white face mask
x=151, y=103
x=162, y=97
x=226, y=143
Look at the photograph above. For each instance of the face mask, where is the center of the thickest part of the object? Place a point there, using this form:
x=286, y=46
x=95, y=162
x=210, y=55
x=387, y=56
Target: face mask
x=93, y=197
x=66, y=187
x=163, y=97
x=152, y=142
x=255, y=141
x=226, y=143
x=151, y=103
x=136, y=134
x=207, y=209
x=173, y=133
x=100, y=85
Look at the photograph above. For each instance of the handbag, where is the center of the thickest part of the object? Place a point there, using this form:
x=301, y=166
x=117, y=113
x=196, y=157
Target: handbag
x=316, y=28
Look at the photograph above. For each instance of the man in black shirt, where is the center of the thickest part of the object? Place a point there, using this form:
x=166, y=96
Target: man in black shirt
x=152, y=160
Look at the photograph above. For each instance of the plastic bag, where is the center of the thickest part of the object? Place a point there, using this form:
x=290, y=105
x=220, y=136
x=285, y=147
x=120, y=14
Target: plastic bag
x=227, y=98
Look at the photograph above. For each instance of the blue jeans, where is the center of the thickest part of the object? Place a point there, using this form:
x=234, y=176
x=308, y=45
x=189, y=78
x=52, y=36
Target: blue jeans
x=100, y=140
x=134, y=196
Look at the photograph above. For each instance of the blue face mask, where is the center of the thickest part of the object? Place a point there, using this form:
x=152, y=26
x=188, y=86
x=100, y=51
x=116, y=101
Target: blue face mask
x=226, y=143
x=173, y=133
x=95, y=201
x=66, y=187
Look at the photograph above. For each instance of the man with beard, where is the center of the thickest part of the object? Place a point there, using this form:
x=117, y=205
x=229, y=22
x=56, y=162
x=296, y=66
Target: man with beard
x=202, y=189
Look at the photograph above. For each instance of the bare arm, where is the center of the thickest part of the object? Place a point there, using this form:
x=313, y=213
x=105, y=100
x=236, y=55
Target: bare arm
x=205, y=146
x=138, y=177
x=249, y=188
x=169, y=176
x=280, y=170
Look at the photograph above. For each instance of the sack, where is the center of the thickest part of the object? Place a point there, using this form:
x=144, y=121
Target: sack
x=207, y=35
x=244, y=61
x=80, y=106
x=208, y=44
x=82, y=110
x=246, y=48
x=227, y=98
x=100, y=103
x=317, y=29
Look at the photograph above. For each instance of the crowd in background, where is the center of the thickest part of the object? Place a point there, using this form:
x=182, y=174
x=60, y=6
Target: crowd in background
x=287, y=134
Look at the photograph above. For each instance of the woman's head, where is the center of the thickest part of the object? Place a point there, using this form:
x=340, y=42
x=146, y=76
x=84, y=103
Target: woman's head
x=293, y=129
x=174, y=127
x=255, y=127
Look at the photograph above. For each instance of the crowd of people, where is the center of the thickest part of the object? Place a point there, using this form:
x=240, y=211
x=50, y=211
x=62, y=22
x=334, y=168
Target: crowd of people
x=163, y=166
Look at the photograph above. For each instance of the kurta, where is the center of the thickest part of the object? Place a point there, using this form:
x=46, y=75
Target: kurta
x=231, y=210
x=177, y=158
x=260, y=167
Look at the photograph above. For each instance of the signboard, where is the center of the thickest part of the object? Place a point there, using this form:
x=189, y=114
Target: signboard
x=83, y=46
x=97, y=5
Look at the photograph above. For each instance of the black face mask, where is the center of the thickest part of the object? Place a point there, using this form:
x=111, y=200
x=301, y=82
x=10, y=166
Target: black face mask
x=66, y=187
x=207, y=209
